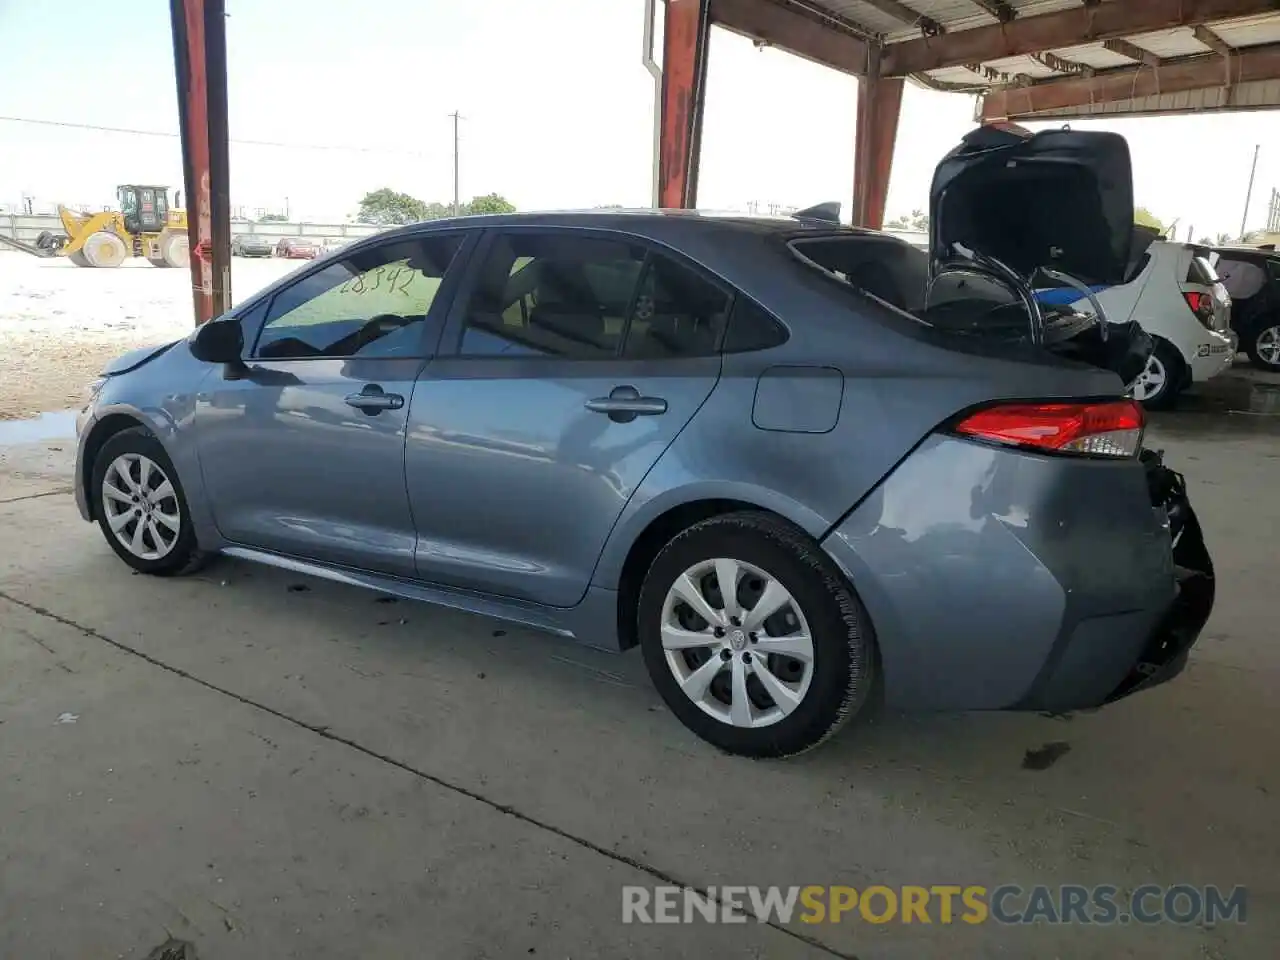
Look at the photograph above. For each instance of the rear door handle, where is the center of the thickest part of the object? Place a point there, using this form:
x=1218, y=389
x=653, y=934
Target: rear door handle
x=625, y=403
x=373, y=400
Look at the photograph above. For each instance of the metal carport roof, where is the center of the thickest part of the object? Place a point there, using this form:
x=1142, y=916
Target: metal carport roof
x=1044, y=58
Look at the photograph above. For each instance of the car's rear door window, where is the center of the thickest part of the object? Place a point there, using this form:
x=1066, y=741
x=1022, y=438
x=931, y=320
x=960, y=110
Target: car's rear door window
x=373, y=303
x=553, y=294
x=751, y=327
x=678, y=313
x=580, y=296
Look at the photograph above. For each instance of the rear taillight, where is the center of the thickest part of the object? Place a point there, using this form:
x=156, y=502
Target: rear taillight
x=1110, y=429
x=1201, y=305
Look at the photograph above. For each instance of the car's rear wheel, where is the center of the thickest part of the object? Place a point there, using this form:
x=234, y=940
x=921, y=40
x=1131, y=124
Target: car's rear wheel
x=752, y=636
x=140, y=505
x=1158, y=386
x=1264, y=348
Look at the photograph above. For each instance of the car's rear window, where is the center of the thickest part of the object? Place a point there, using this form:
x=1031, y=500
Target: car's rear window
x=1201, y=270
x=887, y=268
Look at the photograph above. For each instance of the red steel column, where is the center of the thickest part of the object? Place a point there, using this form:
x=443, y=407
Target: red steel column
x=686, y=27
x=879, y=106
x=200, y=69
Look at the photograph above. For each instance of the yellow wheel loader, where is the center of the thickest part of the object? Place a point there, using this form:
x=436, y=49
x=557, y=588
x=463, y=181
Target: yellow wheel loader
x=144, y=226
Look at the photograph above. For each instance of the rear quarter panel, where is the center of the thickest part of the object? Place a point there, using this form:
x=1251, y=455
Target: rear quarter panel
x=899, y=380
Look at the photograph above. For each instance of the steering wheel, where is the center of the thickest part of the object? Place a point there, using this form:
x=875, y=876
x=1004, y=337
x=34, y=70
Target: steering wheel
x=377, y=327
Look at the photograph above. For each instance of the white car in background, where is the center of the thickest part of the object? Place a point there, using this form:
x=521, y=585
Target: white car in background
x=1177, y=298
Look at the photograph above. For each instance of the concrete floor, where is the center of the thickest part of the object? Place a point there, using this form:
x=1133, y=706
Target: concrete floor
x=267, y=766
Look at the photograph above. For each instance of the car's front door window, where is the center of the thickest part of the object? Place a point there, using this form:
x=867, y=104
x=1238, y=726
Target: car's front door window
x=373, y=303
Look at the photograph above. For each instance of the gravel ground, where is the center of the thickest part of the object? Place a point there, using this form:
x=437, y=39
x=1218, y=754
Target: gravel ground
x=60, y=323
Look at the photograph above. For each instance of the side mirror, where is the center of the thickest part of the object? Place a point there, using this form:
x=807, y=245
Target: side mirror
x=218, y=341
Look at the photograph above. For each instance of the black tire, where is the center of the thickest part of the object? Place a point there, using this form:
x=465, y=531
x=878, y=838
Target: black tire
x=1175, y=369
x=185, y=556
x=1251, y=347
x=843, y=640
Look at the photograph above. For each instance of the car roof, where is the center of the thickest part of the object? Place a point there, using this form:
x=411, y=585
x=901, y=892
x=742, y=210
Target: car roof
x=661, y=224
x=1247, y=253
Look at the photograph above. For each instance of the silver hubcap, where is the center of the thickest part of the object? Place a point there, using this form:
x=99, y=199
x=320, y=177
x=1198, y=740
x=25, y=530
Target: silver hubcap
x=1151, y=381
x=737, y=643
x=141, y=506
x=1269, y=346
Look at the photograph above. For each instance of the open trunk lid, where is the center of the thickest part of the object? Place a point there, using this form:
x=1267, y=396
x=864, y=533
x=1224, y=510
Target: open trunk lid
x=1061, y=199
x=1056, y=204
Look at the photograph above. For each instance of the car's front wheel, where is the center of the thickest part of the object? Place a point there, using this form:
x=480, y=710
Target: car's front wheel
x=752, y=636
x=140, y=505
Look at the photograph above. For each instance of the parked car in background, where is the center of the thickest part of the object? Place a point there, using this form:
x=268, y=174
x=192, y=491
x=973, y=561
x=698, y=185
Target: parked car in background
x=250, y=245
x=704, y=437
x=329, y=244
x=297, y=248
x=1251, y=276
x=1176, y=296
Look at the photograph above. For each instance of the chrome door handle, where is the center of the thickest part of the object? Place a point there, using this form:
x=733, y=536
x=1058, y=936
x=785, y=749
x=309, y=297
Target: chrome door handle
x=624, y=404
x=372, y=400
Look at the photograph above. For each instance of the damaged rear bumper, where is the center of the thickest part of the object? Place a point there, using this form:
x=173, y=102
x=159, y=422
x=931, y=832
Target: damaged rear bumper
x=1165, y=654
x=997, y=580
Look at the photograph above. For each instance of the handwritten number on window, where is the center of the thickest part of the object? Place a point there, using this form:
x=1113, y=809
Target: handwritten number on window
x=399, y=279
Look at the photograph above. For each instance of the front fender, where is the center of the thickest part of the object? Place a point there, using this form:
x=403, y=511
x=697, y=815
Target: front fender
x=160, y=396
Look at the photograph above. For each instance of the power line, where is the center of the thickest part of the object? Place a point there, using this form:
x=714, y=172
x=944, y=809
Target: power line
x=173, y=135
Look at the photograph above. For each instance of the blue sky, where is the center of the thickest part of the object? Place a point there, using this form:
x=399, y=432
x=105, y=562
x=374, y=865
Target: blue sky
x=557, y=107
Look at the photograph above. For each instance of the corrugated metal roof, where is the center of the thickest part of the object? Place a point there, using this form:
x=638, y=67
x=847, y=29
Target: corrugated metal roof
x=1095, y=55
x=877, y=18
x=862, y=14
x=1180, y=42
x=1249, y=31
x=965, y=14
x=1259, y=95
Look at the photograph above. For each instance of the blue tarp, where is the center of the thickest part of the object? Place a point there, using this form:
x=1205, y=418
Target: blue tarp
x=1062, y=296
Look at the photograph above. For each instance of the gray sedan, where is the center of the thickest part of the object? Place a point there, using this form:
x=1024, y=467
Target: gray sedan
x=752, y=447
x=250, y=245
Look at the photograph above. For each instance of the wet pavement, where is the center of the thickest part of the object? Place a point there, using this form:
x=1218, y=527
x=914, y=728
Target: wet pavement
x=53, y=425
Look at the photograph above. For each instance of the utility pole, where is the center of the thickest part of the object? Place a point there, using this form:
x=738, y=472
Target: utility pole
x=1248, y=194
x=457, y=208
x=655, y=71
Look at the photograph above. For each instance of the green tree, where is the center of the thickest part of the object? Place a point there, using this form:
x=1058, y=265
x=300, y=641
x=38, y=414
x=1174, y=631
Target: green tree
x=1145, y=218
x=386, y=207
x=489, y=203
x=919, y=220
x=272, y=218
